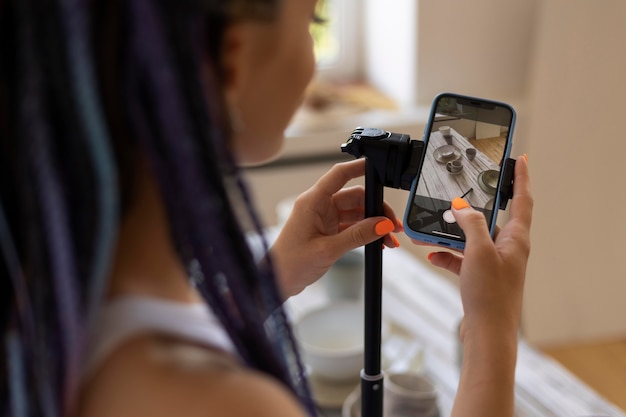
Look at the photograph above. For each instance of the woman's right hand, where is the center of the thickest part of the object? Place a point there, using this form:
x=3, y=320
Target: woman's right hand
x=492, y=271
x=492, y=274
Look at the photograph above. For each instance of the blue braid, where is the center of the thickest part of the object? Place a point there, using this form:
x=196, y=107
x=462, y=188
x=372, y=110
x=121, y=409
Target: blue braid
x=16, y=374
x=57, y=232
x=61, y=256
x=23, y=303
x=13, y=342
x=82, y=71
x=55, y=218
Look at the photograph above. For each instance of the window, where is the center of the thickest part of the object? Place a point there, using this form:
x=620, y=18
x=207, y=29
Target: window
x=371, y=43
x=337, y=42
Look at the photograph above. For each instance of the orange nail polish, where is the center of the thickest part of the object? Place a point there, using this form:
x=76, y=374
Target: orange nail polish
x=525, y=157
x=430, y=255
x=383, y=227
x=396, y=242
x=459, y=204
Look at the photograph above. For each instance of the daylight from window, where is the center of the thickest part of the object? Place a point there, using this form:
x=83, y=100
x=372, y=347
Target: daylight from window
x=325, y=33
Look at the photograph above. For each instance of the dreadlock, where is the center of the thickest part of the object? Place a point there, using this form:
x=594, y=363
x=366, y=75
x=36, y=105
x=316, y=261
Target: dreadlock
x=85, y=88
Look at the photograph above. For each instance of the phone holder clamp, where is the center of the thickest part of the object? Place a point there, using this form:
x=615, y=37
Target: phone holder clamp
x=395, y=156
x=506, y=189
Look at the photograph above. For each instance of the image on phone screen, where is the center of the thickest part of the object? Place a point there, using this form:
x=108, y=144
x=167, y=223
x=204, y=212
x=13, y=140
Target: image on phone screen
x=468, y=142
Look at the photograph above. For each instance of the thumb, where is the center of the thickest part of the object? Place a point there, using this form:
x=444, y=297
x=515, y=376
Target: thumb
x=471, y=221
x=363, y=232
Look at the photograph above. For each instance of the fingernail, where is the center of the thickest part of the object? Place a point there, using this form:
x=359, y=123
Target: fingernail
x=459, y=204
x=383, y=227
x=400, y=223
x=525, y=157
x=430, y=255
x=396, y=242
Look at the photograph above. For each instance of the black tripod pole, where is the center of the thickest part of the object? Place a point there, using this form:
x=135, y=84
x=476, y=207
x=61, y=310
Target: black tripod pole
x=392, y=160
x=371, y=375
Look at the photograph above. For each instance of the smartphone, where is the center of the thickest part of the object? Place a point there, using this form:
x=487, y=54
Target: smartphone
x=466, y=143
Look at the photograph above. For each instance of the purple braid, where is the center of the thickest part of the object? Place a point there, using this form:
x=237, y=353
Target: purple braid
x=58, y=202
x=244, y=298
x=149, y=72
x=54, y=218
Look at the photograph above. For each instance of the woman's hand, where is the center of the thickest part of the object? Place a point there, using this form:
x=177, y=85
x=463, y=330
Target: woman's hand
x=492, y=277
x=492, y=272
x=326, y=222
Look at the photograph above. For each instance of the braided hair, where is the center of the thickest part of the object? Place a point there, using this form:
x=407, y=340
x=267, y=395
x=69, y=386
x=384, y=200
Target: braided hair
x=86, y=87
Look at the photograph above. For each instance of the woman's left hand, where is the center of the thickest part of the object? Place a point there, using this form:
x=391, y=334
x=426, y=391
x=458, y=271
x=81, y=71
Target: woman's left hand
x=326, y=222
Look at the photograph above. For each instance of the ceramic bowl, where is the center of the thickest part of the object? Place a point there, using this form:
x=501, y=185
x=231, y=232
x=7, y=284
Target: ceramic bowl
x=331, y=340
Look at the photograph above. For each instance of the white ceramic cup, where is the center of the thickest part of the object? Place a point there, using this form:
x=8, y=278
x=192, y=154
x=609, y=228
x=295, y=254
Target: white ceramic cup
x=454, y=167
x=344, y=280
x=444, y=130
x=446, y=133
x=409, y=394
x=331, y=340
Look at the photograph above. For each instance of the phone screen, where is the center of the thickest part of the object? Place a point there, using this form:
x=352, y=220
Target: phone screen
x=467, y=141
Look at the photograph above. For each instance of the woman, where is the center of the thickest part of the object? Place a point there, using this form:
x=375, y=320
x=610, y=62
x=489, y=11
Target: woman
x=122, y=126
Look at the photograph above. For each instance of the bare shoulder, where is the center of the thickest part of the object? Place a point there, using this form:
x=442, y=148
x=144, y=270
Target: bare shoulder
x=159, y=377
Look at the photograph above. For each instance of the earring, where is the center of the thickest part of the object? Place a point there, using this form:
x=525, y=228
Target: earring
x=236, y=121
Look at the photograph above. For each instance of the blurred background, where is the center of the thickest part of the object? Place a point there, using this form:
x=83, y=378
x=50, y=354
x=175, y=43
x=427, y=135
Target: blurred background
x=562, y=65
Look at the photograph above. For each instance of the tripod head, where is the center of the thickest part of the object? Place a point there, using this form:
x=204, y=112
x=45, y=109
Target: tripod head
x=395, y=157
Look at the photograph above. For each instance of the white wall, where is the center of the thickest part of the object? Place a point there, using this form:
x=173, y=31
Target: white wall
x=577, y=149
x=415, y=50
x=479, y=47
x=391, y=55
x=562, y=64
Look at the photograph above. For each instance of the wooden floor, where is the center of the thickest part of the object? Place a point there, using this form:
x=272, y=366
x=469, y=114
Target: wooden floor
x=601, y=365
x=492, y=147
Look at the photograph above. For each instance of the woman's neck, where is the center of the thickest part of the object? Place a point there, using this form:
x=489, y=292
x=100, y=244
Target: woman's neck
x=146, y=262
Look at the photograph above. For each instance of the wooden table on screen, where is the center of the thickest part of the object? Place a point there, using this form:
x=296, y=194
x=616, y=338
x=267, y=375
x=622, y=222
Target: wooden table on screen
x=439, y=183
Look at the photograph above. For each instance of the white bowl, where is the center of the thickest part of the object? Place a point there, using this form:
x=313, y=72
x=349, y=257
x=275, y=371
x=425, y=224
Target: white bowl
x=331, y=340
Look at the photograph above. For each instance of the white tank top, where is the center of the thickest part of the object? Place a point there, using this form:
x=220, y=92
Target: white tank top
x=125, y=317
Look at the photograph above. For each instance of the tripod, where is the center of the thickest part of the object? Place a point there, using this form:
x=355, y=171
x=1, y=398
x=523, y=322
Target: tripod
x=392, y=160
